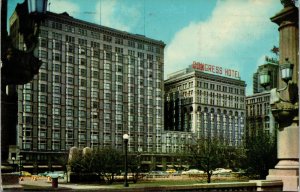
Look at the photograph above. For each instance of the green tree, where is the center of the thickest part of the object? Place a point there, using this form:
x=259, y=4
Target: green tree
x=208, y=154
x=134, y=166
x=108, y=163
x=261, y=155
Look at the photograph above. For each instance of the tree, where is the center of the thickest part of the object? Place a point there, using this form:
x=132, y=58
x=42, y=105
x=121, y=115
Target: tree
x=134, y=165
x=108, y=163
x=261, y=155
x=208, y=154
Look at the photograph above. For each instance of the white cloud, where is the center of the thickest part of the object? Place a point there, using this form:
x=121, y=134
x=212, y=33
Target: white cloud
x=116, y=14
x=60, y=6
x=228, y=38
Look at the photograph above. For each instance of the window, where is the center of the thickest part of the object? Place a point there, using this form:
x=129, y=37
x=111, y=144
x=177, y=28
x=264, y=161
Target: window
x=28, y=108
x=69, y=123
x=57, y=67
x=57, y=45
x=56, y=25
x=107, y=38
x=69, y=113
x=43, y=88
x=70, y=70
x=44, y=54
x=43, y=121
x=82, y=103
x=56, y=100
x=70, y=91
x=57, y=57
x=70, y=80
x=119, y=50
x=95, y=44
x=70, y=59
x=140, y=46
x=56, y=36
x=71, y=48
x=56, y=89
x=70, y=39
x=27, y=97
x=107, y=47
x=82, y=31
x=82, y=41
x=69, y=102
x=95, y=74
x=56, y=111
x=119, y=41
x=131, y=53
x=56, y=122
x=131, y=44
x=43, y=43
x=56, y=78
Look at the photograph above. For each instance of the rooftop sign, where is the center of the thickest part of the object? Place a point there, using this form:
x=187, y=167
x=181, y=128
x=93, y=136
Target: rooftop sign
x=216, y=70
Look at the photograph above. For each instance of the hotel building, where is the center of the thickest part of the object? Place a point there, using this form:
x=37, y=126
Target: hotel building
x=204, y=101
x=95, y=84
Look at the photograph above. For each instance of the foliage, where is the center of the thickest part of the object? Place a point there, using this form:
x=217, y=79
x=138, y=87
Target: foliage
x=106, y=162
x=261, y=155
x=208, y=154
x=134, y=166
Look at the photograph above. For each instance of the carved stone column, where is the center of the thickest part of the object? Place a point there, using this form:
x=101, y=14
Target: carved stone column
x=285, y=110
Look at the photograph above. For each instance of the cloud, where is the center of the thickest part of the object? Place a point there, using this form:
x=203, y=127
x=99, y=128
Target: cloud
x=60, y=6
x=116, y=14
x=230, y=38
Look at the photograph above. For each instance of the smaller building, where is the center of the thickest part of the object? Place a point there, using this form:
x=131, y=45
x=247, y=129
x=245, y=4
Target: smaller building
x=259, y=116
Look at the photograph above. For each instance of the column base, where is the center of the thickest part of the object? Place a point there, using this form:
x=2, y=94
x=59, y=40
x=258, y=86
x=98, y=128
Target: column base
x=289, y=177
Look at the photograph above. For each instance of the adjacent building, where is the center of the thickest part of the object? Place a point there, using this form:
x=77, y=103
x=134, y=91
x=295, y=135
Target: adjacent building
x=271, y=64
x=259, y=115
x=95, y=84
x=204, y=101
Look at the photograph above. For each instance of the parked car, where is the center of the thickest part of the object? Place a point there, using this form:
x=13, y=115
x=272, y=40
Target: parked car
x=56, y=174
x=177, y=173
x=192, y=171
x=170, y=171
x=221, y=171
x=44, y=174
x=153, y=174
x=23, y=173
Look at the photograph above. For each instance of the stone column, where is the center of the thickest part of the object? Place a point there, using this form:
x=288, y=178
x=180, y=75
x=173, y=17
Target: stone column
x=286, y=109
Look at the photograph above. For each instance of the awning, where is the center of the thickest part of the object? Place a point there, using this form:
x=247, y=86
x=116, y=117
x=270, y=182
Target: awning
x=159, y=165
x=43, y=166
x=27, y=166
x=56, y=166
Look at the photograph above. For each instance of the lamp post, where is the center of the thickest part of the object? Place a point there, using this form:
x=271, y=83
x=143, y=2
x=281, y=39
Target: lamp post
x=285, y=101
x=13, y=164
x=18, y=67
x=125, y=138
x=20, y=164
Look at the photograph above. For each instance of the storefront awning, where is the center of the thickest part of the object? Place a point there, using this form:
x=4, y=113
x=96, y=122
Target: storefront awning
x=159, y=165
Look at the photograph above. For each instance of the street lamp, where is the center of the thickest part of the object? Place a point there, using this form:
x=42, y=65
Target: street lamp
x=264, y=78
x=13, y=164
x=20, y=164
x=286, y=71
x=125, y=138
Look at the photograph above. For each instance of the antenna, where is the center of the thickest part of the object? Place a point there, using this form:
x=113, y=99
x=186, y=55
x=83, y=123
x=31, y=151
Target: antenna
x=144, y=19
x=100, y=12
x=49, y=5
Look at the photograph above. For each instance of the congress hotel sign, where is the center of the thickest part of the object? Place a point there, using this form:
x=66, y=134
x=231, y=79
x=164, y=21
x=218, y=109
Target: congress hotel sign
x=216, y=70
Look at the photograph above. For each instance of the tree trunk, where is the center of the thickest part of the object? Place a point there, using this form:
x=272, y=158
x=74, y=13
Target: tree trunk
x=208, y=177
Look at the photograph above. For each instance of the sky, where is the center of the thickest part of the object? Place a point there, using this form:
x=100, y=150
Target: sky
x=234, y=34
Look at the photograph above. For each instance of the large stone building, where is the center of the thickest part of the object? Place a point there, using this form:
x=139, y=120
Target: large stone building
x=204, y=100
x=259, y=115
x=271, y=64
x=95, y=84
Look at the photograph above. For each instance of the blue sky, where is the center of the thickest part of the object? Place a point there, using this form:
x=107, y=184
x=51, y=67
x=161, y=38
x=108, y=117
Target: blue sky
x=235, y=34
